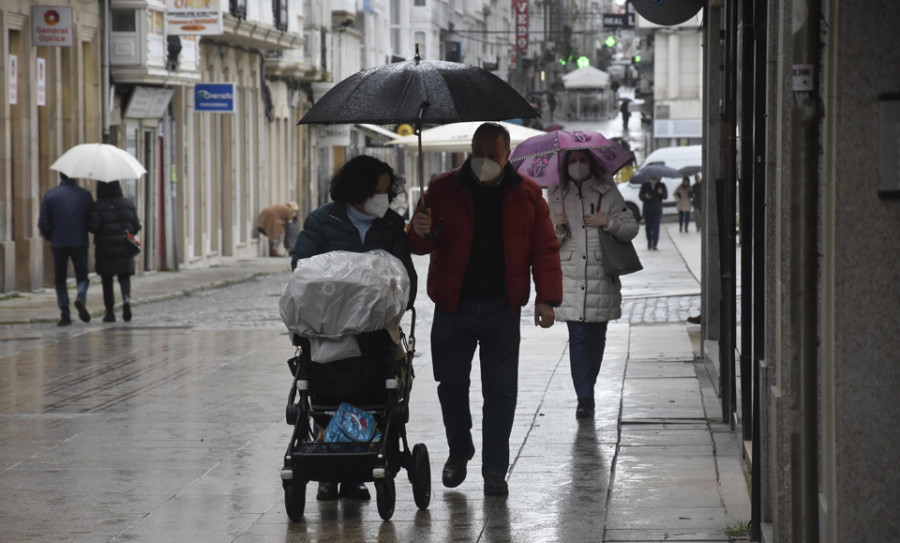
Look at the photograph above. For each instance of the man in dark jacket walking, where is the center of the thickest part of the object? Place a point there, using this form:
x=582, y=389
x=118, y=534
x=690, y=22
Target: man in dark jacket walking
x=492, y=234
x=63, y=222
x=111, y=216
x=652, y=194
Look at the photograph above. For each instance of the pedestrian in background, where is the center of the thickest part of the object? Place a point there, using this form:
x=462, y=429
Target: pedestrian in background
x=359, y=219
x=112, y=215
x=272, y=222
x=625, y=109
x=583, y=203
x=489, y=232
x=652, y=195
x=63, y=221
x=682, y=196
x=697, y=201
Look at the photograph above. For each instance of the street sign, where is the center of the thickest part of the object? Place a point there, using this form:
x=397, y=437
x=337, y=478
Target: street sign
x=618, y=20
x=214, y=97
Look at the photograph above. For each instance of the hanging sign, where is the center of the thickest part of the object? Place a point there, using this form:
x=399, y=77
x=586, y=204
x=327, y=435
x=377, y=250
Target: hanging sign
x=333, y=134
x=520, y=10
x=41, y=82
x=52, y=26
x=194, y=18
x=13, y=79
x=214, y=97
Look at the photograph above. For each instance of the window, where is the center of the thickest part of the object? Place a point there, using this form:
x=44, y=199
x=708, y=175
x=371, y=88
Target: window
x=280, y=10
x=238, y=8
x=123, y=20
x=420, y=3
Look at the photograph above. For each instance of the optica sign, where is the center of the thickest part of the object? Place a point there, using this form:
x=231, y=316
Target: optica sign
x=52, y=26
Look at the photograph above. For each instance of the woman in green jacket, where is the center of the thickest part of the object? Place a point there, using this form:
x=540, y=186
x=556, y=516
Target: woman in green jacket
x=358, y=219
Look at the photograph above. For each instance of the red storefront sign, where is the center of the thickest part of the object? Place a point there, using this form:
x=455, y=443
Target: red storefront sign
x=520, y=12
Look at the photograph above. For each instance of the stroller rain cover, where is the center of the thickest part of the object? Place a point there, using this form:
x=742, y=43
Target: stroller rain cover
x=331, y=297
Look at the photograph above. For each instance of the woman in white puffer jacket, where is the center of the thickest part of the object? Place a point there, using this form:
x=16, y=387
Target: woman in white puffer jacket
x=585, y=201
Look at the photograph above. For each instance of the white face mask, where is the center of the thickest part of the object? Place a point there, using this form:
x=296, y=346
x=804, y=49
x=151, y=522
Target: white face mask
x=377, y=205
x=485, y=169
x=579, y=171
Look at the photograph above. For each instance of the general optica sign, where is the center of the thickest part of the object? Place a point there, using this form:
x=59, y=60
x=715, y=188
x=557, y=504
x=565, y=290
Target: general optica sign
x=214, y=97
x=52, y=26
x=194, y=18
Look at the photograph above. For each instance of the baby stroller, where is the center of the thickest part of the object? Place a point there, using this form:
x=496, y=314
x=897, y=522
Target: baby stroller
x=343, y=311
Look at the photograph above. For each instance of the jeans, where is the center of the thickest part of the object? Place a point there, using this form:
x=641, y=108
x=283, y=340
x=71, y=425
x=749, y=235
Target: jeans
x=651, y=223
x=684, y=220
x=61, y=256
x=454, y=336
x=587, y=341
x=109, y=296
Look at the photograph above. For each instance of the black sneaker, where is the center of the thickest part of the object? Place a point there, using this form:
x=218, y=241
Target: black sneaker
x=494, y=485
x=109, y=317
x=82, y=311
x=126, y=311
x=64, y=321
x=328, y=491
x=355, y=491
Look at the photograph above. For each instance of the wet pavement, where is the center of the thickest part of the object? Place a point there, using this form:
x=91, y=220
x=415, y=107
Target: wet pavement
x=171, y=428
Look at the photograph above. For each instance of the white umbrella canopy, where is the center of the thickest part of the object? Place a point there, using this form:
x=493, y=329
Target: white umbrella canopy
x=98, y=161
x=586, y=78
x=457, y=137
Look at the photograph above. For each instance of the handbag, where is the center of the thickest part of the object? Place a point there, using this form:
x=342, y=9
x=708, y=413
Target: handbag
x=132, y=244
x=619, y=257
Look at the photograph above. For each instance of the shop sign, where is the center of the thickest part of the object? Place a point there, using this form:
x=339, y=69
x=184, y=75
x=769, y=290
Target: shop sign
x=52, y=26
x=194, y=18
x=214, y=97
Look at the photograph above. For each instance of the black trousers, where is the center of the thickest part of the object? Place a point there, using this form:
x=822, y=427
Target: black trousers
x=109, y=297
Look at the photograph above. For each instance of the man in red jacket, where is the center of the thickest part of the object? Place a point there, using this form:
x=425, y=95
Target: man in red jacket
x=489, y=232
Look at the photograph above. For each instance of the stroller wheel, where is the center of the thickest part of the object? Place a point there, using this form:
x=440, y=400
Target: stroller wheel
x=294, y=499
x=386, y=495
x=420, y=476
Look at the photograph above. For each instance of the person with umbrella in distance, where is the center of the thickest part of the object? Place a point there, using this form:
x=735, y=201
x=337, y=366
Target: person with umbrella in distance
x=584, y=203
x=488, y=231
x=652, y=194
x=359, y=219
x=111, y=216
x=63, y=221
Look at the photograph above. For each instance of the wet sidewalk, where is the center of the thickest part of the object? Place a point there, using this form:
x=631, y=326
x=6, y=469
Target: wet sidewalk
x=656, y=464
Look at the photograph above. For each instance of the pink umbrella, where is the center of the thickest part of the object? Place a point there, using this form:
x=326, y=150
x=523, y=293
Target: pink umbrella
x=538, y=156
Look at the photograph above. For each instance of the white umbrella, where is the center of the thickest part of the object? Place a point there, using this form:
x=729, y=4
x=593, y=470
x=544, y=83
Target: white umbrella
x=98, y=161
x=457, y=137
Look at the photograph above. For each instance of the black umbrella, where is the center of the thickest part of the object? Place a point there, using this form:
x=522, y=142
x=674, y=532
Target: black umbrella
x=654, y=170
x=688, y=171
x=419, y=92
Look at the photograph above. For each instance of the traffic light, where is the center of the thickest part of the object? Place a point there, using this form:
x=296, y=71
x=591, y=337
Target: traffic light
x=583, y=62
x=610, y=41
x=636, y=59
